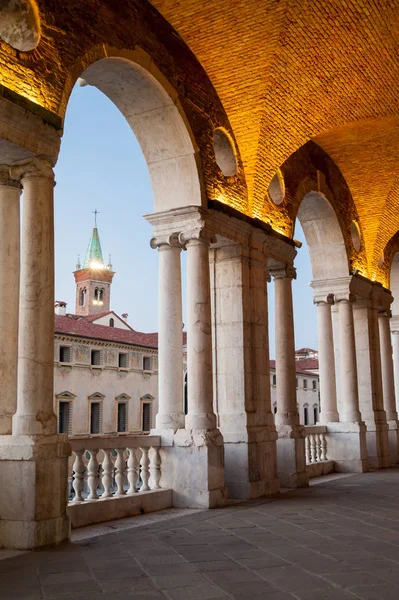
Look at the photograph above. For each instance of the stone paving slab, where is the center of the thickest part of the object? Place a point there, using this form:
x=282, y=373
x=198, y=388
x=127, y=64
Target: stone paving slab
x=338, y=540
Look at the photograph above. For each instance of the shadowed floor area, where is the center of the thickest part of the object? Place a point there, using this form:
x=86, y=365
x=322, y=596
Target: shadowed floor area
x=334, y=541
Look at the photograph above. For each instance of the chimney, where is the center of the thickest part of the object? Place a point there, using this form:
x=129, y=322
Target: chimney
x=60, y=308
x=125, y=316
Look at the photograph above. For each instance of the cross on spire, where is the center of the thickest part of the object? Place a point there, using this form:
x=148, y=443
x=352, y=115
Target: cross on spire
x=95, y=212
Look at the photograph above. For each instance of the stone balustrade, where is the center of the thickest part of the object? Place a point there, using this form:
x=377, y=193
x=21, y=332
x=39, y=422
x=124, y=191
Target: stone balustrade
x=115, y=476
x=316, y=450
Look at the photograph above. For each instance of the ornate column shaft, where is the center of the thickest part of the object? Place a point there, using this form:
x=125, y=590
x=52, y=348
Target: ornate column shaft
x=35, y=414
x=170, y=336
x=287, y=413
x=348, y=368
x=199, y=334
x=10, y=192
x=388, y=385
x=328, y=397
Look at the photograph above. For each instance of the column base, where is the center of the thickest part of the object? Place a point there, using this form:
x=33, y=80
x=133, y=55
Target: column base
x=291, y=459
x=377, y=441
x=393, y=438
x=251, y=463
x=33, y=497
x=192, y=465
x=346, y=446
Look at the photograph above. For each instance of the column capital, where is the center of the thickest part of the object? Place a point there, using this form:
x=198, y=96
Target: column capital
x=6, y=179
x=323, y=299
x=283, y=272
x=171, y=240
x=32, y=167
x=384, y=312
x=197, y=236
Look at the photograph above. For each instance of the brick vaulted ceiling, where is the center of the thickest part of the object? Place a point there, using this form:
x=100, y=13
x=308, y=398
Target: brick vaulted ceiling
x=292, y=70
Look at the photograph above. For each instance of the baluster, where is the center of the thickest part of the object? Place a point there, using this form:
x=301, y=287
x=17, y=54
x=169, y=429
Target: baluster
x=155, y=469
x=323, y=441
x=307, y=449
x=317, y=447
x=312, y=448
x=132, y=471
x=92, y=469
x=108, y=468
x=119, y=468
x=78, y=476
x=145, y=473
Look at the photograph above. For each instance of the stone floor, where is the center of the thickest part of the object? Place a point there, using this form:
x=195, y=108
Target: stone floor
x=333, y=541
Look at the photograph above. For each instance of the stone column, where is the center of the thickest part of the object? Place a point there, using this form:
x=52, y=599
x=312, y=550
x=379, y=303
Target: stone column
x=241, y=359
x=348, y=368
x=200, y=413
x=370, y=383
x=35, y=413
x=328, y=398
x=291, y=435
x=34, y=460
x=10, y=191
x=170, y=336
x=388, y=385
x=346, y=444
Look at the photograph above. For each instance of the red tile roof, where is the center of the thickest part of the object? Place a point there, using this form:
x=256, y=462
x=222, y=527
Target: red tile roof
x=305, y=351
x=302, y=366
x=307, y=364
x=83, y=328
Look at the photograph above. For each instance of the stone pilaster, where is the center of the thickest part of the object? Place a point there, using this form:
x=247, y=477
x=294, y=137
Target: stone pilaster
x=241, y=366
x=370, y=382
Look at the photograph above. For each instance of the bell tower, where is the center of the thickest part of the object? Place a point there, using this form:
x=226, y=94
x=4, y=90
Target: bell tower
x=93, y=279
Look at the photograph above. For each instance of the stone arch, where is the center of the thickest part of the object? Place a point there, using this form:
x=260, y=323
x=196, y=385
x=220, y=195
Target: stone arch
x=328, y=255
x=390, y=268
x=148, y=104
x=317, y=194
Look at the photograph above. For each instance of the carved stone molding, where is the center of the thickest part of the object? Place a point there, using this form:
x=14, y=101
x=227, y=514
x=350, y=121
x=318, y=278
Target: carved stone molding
x=33, y=167
x=171, y=239
x=6, y=179
x=283, y=272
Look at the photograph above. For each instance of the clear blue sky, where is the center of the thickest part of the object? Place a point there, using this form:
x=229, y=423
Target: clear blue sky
x=101, y=166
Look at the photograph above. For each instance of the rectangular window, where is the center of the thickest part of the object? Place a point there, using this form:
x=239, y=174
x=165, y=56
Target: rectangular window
x=296, y=383
x=96, y=357
x=314, y=384
x=65, y=354
x=64, y=416
x=147, y=363
x=315, y=414
x=147, y=416
x=274, y=379
x=123, y=360
x=95, y=417
x=305, y=384
x=122, y=417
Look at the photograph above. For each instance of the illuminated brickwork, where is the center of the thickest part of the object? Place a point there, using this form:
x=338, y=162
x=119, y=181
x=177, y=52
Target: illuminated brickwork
x=275, y=75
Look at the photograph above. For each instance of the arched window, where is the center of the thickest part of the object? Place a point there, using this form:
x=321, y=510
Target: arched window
x=306, y=416
x=82, y=296
x=111, y=323
x=315, y=414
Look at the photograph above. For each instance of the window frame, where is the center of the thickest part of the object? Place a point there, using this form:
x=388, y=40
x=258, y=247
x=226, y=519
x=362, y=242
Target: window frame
x=96, y=398
x=65, y=347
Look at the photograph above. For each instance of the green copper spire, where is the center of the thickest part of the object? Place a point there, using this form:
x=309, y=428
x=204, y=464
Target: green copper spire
x=94, y=256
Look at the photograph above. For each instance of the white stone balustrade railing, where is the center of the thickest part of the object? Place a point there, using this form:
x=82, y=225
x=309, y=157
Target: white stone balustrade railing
x=117, y=466
x=316, y=444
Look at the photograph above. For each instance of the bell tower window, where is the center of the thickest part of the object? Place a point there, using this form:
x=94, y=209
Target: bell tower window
x=82, y=296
